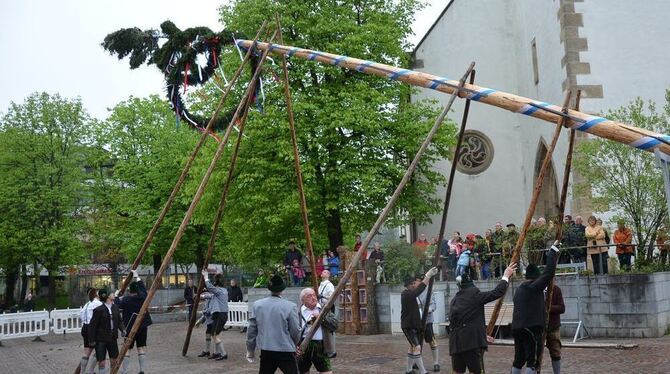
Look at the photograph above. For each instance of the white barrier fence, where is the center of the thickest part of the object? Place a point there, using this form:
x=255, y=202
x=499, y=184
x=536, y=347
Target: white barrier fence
x=238, y=314
x=66, y=321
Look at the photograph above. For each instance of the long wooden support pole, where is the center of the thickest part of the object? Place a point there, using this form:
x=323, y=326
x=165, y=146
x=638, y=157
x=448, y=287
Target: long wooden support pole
x=187, y=216
x=298, y=171
x=385, y=212
x=529, y=213
x=599, y=126
x=185, y=170
x=215, y=227
x=445, y=211
x=559, y=231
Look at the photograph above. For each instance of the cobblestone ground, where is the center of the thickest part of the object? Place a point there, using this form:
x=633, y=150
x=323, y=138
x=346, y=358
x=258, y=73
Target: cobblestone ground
x=356, y=354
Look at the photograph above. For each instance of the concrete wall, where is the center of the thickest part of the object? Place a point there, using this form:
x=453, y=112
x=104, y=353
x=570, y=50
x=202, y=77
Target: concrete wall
x=616, y=306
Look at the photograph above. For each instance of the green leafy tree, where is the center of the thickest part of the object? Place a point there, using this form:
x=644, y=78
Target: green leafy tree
x=625, y=180
x=400, y=262
x=43, y=183
x=356, y=133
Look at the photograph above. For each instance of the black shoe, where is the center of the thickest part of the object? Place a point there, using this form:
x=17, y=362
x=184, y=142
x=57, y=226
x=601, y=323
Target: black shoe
x=215, y=356
x=141, y=372
x=436, y=367
x=204, y=354
x=332, y=355
x=243, y=330
x=221, y=358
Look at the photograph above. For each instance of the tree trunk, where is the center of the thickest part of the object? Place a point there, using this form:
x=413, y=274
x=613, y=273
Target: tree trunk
x=24, y=281
x=51, y=298
x=10, y=286
x=334, y=224
x=114, y=269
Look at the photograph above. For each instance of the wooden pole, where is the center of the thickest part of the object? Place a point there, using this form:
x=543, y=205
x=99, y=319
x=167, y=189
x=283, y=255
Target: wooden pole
x=387, y=209
x=559, y=230
x=185, y=170
x=215, y=228
x=529, y=212
x=298, y=171
x=445, y=211
x=599, y=126
x=188, y=215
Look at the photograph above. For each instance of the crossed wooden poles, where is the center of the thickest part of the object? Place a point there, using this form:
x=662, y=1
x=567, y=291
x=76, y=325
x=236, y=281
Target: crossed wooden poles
x=574, y=119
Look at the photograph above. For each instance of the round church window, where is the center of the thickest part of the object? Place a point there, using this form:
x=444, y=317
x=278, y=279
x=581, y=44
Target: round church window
x=476, y=153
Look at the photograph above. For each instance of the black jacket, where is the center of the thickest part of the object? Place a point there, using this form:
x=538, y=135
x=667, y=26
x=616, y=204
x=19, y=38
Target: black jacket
x=189, y=293
x=529, y=309
x=131, y=305
x=410, y=318
x=467, y=326
x=235, y=294
x=99, y=329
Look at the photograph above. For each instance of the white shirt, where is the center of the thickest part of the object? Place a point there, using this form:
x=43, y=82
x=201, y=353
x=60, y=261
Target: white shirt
x=326, y=290
x=306, y=317
x=86, y=312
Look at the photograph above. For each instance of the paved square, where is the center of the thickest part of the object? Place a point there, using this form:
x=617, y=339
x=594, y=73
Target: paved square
x=356, y=354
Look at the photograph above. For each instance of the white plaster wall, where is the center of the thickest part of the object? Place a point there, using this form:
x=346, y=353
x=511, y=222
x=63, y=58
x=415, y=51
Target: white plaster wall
x=489, y=32
x=627, y=49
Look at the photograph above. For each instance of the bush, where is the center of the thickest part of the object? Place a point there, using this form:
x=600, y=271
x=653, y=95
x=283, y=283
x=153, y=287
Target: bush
x=400, y=262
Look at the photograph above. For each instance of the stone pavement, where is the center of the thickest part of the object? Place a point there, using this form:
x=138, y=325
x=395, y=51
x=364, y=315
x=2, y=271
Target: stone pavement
x=356, y=354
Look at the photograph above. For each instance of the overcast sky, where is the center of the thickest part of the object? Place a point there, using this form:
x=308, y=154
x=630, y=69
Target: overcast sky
x=54, y=46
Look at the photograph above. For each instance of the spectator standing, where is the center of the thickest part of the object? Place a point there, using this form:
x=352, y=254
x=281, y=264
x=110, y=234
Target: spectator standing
x=487, y=259
x=291, y=255
x=334, y=263
x=326, y=291
x=189, y=293
x=29, y=303
x=318, y=265
x=623, y=237
x=419, y=248
x=579, y=234
x=298, y=273
x=364, y=255
x=599, y=222
x=235, y=293
x=463, y=264
x=377, y=259
x=554, y=329
x=430, y=252
x=596, y=249
x=274, y=328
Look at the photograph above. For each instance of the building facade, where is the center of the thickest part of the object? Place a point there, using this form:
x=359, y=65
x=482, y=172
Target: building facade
x=611, y=50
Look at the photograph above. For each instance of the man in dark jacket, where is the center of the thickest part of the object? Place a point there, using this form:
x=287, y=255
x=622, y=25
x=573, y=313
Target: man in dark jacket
x=410, y=319
x=189, y=295
x=554, y=329
x=467, y=325
x=131, y=304
x=103, y=330
x=530, y=315
x=235, y=293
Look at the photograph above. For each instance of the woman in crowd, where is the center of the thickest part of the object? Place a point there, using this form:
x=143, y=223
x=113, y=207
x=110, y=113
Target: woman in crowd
x=596, y=249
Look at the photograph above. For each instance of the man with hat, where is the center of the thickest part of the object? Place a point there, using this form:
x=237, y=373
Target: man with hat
x=410, y=318
x=530, y=315
x=467, y=325
x=103, y=330
x=274, y=327
x=131, y=304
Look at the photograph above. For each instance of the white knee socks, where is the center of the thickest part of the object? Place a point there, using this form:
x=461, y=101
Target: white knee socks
x=141, y=358
x=434, y=351
x=208, y=342
x=124, y=364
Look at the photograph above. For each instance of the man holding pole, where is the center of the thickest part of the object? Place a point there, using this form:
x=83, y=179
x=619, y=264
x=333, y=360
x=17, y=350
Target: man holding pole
x=410, y=318
x=530, y=314
x=131, y=305
x=467, y=327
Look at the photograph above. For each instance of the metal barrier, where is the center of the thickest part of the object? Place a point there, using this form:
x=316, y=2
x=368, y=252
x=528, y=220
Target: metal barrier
x=238, y=314
x=65, y=321
x=24, y=325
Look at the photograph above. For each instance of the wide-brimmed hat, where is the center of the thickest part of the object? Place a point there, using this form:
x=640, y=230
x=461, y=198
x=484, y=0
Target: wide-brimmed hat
x=464, y=281
x=134, y=287
x=102, y=294
x=276, y=284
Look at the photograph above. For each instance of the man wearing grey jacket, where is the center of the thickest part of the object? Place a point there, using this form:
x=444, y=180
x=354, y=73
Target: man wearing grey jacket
x=275, y=328
x=218, y=306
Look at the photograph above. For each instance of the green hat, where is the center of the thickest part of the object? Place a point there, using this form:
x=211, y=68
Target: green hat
x=134, y=287
x=464, y=281
x=276, y=284
x=532, y=271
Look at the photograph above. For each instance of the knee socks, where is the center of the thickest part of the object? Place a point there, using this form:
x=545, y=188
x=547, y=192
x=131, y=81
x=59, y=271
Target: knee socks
x=141, y=358
x=530, y=371
x=208, y=342
x=104, y=370
x=125, y=364
x=419, y=363
x=434, y=351
x=82, y=364
x=515, y=370
x=556, y=365
x=410, y=363
x=92, y=362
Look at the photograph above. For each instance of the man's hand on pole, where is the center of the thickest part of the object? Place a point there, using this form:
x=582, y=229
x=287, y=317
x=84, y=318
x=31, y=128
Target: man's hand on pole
x=509, y=272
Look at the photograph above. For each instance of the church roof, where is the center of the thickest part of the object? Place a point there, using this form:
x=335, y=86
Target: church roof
x=432, y=26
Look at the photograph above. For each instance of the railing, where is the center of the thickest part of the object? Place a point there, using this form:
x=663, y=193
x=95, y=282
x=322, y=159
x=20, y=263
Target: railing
x=24, y=325
x=238, y=314
x=65, y=321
